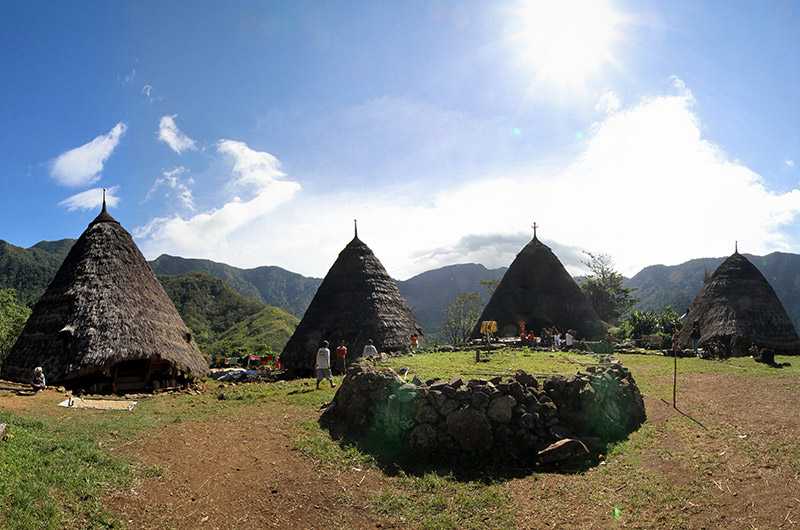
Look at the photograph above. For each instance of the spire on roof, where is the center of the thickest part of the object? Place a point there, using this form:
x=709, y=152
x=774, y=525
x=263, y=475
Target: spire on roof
x=355, y=227
x=104, y=215
x=736, y=247
x=534, y=226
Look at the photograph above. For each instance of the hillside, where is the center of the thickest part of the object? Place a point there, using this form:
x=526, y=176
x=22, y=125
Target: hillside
x=271, y=327
x=29, y=270
x=274, y=286
x=217, y=314
x=430, y=292
x=677, y=285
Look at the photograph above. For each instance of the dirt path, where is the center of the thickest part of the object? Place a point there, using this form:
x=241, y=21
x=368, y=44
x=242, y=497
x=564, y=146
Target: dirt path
x=243, y=474
x=740, y=472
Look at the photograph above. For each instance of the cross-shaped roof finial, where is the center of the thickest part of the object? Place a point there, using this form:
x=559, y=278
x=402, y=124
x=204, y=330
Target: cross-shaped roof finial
x=534, y=226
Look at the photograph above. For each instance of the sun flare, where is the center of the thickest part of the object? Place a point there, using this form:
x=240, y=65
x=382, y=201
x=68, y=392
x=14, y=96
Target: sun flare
x=565, y=41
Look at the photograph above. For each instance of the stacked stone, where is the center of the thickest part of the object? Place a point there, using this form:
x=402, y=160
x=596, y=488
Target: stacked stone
x=563, y=418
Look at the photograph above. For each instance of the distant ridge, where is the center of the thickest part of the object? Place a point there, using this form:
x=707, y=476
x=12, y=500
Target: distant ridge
x=429, y=293
x=219, y=316
x=272, y=285
x=29, y=271
x=677, y=285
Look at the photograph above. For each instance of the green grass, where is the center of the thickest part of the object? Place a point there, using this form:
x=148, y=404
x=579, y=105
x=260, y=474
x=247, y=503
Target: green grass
x=60, y=465
x=316, y=444
x=445, y=364
x=434, y=502
x=53, y=475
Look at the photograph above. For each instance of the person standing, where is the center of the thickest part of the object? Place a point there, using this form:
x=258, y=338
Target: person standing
x=369, y=350
x=341, y=358
x=695, y=335
x=323, y=365
x=570, y=339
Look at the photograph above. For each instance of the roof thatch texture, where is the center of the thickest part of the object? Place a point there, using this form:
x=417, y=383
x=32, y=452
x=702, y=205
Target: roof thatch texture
x=104, y=306
x=356, y=301
x=737, y=301
x=538, y=292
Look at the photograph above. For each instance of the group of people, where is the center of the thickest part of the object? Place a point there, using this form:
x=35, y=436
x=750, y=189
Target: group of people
x=550, y=337
x=322, y=366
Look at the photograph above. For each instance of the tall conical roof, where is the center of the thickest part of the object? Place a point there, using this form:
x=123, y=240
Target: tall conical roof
x=103, y=307
x=737, y=301
x=537, y=291
x=356, y=301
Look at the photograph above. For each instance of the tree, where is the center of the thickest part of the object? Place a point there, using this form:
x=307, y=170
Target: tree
x=460, y=317
x=490, y=285
x=13, y=316
x=603, y=288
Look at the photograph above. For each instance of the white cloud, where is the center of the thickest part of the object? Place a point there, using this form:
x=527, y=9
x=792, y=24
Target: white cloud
x=609, y=102
x=647, y=188
x=790, y=163
x=172, y=180
x=169, y=133
x=82, y=166
x=251, y=169
x=147, y=92
x=215, y=231
x=91, y=199
x=128, y=79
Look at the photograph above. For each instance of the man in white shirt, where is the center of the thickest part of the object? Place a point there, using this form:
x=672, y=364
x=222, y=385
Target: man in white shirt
x=369, y=350
x=323, y=365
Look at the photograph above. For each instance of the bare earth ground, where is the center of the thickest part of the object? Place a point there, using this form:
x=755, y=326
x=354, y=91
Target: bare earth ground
x=733, y=474
x=741, y=471
x=243, y=474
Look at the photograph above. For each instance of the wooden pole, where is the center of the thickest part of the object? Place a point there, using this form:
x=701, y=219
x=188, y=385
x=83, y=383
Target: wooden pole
x=674, y=374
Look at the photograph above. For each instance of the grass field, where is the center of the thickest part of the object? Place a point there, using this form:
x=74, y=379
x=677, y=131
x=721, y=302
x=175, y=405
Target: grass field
x=61, y=464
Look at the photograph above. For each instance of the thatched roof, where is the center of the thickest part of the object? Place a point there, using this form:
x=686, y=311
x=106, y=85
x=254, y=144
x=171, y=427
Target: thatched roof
x=356, y=301
x=737, y=301
x=104, y=306
x=537, y=291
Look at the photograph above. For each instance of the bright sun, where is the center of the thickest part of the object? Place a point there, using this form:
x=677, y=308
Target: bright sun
x=565, y=41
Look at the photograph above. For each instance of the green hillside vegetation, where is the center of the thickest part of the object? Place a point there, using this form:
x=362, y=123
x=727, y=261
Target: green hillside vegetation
x=211, y=308
x=29, y=270
x=267, y=331
x=274, y=286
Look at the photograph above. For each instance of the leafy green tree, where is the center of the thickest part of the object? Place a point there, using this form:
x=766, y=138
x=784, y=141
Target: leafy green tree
x=490, y=285
x=641, y=323
x=603, y=288
x=460, y=317
x=13, y=316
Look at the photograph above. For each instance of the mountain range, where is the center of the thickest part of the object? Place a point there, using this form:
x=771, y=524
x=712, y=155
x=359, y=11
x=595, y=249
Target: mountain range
x=227, y=306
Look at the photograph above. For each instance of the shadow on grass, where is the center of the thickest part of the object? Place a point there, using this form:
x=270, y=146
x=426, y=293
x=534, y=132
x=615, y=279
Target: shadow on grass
x=301, y=391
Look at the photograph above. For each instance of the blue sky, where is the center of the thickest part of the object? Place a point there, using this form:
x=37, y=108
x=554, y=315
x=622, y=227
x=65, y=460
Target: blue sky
x=253, y=133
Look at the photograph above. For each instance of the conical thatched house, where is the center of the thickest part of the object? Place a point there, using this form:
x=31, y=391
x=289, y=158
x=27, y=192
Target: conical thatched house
x=538, y=292
x=105, y=321
x=737, y=301
x=356, y=301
